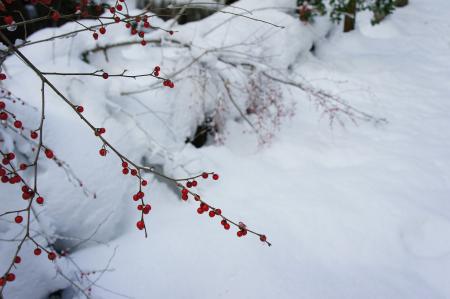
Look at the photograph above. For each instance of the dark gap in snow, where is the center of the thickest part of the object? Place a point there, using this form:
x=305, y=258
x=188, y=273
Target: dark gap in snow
x=56, y=295
x=202, y=132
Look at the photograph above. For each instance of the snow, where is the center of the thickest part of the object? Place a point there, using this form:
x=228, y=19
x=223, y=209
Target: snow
x=352, y=212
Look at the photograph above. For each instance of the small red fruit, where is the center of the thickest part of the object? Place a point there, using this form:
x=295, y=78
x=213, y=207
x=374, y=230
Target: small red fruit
x=18, y=219
x=40, y=200
x=33, y=135
x=140, y=225
x=37, y=251
x=80, y=109
x=10, y=277
x=49, y=153
x=215, y=176
x=17, y=260
x=55, y=16
x=18, y=124
x=102, y=152
x=52, y=256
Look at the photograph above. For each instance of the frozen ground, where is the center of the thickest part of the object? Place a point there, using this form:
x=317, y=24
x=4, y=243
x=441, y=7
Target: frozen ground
x=355, y=212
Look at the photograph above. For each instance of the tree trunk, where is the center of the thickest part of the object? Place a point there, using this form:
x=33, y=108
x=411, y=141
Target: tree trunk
x=350, y=16
x=401, y=3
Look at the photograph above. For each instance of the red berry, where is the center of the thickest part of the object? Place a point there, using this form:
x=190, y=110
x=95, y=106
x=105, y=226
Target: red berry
x=100, y=131
x=200, y=210
x=226, y=226
x=40, y=200
x=124, y=164
x=194, y=183
x=37, y=251
x=119, y=7
x=147, y=209
x=18, y=219
x=112, y=10
x=218, y=212
x=239, y=233
x=10, y=277
x=143, y=42
x=125, y=171
x=55, y=16
x=80, y=109
x=105, y=75
x=2, y=77
x=17, y=260
x=144, y=183
x=212, y=214
x=2, y=105
x=18, y=124
x=8, y=20
x=215, y=176
x=140, y=225
x=102, y=152
x=95, y=35
x=263, y=238
x=33, y=135
x=2, y=281
x=49, y=153
x=23, y=166
x=184, y=196
x=102, y=30
x=52, y=256
x=171, y=32
x=140, y=207
x=189, y=184
x=3, y=115
x=134, y=172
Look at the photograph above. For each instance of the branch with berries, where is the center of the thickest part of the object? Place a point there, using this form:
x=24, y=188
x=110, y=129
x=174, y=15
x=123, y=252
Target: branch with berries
x=9, y=173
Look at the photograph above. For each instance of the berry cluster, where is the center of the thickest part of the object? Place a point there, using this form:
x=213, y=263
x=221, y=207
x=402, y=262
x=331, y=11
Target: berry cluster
x=213, y=212
x=9, y=172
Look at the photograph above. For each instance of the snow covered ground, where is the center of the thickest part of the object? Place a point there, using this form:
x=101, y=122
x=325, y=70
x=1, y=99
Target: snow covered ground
x=352, y=212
